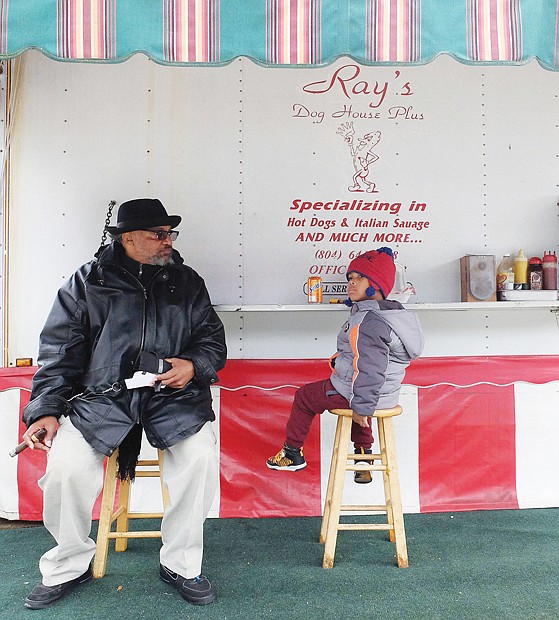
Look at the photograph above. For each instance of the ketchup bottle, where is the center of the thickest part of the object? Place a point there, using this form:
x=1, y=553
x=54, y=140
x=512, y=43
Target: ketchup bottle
x=549, y=271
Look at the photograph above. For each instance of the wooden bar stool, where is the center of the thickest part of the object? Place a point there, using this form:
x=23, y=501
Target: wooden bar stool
x=145, y=468
x=343, y=461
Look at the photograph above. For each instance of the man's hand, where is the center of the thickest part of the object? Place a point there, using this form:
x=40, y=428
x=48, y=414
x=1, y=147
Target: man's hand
x=181, y=373
x=362, y=420
x=50, y=424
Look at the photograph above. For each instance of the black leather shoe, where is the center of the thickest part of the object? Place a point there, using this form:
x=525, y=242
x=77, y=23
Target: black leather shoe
x=42, y=596
x=198, y=591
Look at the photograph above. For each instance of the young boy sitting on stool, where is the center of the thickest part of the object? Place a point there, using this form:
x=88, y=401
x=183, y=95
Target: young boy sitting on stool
x=375, y=346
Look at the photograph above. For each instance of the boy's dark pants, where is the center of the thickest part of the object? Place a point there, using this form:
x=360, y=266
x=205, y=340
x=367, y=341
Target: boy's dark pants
x=312, y=399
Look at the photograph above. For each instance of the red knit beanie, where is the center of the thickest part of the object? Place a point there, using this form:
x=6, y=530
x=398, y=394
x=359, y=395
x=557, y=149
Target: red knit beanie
x=378, y=267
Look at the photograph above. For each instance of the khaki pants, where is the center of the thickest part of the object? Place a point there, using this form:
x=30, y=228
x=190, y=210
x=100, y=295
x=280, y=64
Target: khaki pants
x=74, y=479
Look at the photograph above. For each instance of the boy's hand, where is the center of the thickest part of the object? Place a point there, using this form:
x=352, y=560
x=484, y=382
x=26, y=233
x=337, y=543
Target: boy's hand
x=362, y=420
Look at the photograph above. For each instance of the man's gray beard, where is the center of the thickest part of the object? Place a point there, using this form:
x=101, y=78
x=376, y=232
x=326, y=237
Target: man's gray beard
x=161, y=262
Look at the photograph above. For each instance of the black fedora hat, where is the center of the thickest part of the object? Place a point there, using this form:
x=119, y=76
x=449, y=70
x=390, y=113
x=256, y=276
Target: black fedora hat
x=142, y=213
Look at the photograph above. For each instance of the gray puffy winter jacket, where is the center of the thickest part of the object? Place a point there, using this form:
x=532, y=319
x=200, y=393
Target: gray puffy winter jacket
x=375, y=346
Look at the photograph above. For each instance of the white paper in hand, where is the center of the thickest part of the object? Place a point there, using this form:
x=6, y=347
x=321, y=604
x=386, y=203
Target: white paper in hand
x=140, y=379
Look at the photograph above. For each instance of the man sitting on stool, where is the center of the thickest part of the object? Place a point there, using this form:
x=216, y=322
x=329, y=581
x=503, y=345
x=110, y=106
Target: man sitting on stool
x=136, y=296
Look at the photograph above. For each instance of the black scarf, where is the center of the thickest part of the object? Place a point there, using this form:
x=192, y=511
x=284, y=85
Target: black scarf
x=129, y=449
x=128, y=453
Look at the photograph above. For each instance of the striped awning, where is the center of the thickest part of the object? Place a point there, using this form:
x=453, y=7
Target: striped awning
x=284, y=32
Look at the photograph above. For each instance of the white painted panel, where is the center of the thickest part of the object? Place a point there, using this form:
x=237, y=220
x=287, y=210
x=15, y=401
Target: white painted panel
x=527, y=331
x=216, y=504
x=9, y=494
x=87, y=134
x=229, y=149
x=537, y=437
x=291, y=335
x=407, y=447
x=479, y=332
x=461, y=151
x=4, y=150
x=406, y=429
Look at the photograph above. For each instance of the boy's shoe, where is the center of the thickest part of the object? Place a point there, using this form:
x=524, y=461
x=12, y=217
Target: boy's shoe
x=287, y=459
x=362, y=477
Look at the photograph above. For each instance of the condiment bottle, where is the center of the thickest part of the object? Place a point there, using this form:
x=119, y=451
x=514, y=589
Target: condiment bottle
x=520, y=271
x=535, y=273
x=549, y=271
x=505, y=274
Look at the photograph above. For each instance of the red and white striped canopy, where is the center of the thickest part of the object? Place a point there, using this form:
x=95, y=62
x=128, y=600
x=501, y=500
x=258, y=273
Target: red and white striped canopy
x=284, y=32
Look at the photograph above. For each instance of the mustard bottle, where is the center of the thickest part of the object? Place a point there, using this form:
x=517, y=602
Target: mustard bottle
x=520, y=271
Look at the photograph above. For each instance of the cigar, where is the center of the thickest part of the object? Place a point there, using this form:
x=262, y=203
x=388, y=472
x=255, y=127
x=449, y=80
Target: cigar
x=35, y=438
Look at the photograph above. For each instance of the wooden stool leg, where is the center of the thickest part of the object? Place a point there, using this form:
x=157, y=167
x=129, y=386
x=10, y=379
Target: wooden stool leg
x=122, y=521
x=331, y=477
x=105, y=517
x=337, y=492
x=146, y=468
x=395, y=497
x=386, y=478
x=164, y=489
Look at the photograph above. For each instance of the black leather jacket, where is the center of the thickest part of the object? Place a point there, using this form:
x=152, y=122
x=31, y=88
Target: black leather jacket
x=100, y=321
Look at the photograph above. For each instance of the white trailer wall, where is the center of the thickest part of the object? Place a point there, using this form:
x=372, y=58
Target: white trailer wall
x=232, y=150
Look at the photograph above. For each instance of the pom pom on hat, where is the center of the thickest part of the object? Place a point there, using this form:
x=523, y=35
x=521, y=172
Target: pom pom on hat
x=378, y=267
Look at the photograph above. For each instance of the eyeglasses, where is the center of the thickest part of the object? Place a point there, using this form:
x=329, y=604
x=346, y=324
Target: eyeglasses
x=161, y=235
